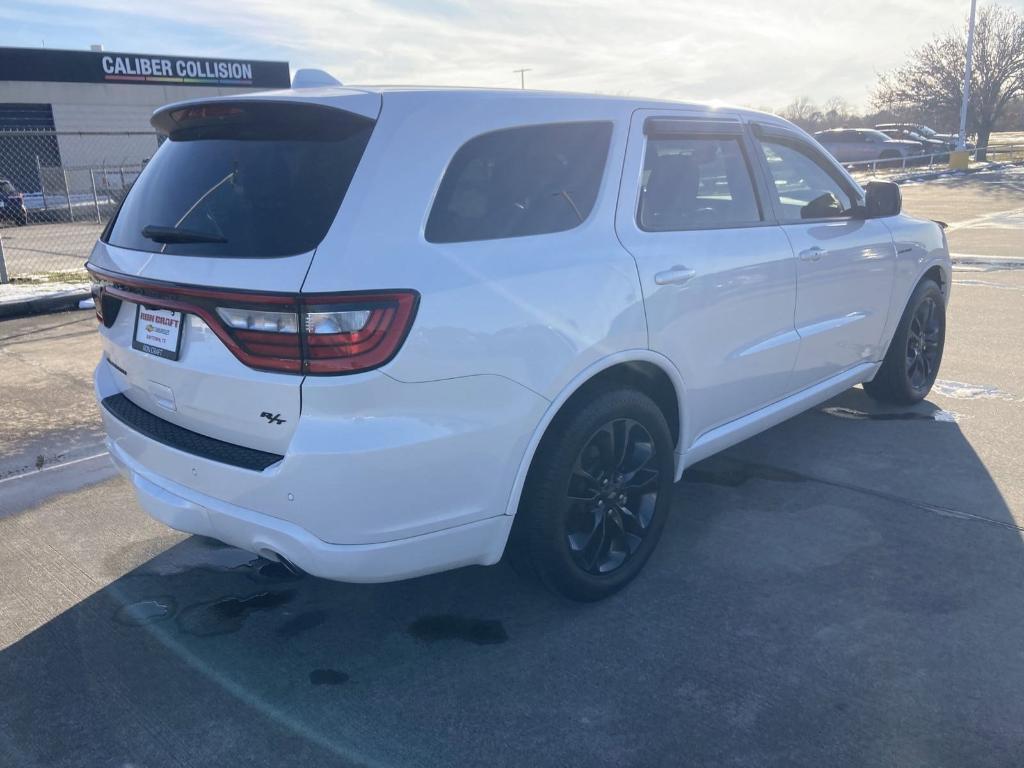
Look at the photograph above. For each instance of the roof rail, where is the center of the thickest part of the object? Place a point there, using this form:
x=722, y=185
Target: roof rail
x=313, y=78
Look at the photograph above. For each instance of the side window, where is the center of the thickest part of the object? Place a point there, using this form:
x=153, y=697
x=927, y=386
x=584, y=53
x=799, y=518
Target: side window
x=532, y=180
x=692, y=183
x=805, y=187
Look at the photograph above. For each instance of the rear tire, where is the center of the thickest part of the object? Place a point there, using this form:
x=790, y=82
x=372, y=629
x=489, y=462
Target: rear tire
x=597, y=496
x=915, y=353
x=890, y=158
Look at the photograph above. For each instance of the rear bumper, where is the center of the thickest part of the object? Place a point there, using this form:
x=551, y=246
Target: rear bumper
x=408, y=479
x=479, y=543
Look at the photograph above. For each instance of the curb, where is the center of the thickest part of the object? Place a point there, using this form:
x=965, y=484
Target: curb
x=37, y=305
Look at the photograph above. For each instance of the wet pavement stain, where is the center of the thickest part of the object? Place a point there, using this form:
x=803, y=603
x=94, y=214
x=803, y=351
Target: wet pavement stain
x=449, y=627
x=301, y=623
x=145, y=611
x=328, y=677
x=733, y=475
x=855, y=415
x=227, y=615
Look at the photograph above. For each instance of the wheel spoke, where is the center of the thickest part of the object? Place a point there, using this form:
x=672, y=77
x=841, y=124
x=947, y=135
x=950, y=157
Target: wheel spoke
x=582, y=485
x=631, y=522
x=617, y=547
x=621, y=430
x=591, y=522
x=594, y=548
x=641, y=480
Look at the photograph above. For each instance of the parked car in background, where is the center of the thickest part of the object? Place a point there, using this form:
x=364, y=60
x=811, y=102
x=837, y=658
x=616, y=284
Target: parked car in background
x=936, y=149
x=855, y=145
x=381, y=332
x=12, y=204
x=950, y=140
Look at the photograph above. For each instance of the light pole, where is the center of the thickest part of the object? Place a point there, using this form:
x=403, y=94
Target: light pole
x=962, y=139
x=522, y=76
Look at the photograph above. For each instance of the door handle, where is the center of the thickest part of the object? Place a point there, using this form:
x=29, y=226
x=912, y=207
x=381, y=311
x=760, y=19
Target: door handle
x=812, y=254
x=675, y=276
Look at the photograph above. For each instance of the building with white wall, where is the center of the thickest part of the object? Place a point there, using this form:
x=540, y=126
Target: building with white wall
x=95, y=105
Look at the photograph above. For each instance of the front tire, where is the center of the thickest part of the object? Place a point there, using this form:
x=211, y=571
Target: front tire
x=597, y=496
x=912, y=361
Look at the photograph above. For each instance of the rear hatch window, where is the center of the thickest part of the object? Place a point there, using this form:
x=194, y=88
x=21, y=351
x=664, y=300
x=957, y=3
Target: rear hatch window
x=242, y=180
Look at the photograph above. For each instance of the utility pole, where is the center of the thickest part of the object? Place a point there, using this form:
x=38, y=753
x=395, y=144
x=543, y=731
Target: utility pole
x=522, y=76
x=962, y=139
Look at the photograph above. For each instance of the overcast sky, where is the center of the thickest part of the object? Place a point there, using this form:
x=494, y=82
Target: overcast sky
x=750, y=52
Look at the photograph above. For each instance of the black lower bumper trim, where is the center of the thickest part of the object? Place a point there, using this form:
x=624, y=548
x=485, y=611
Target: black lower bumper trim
x=185, y=440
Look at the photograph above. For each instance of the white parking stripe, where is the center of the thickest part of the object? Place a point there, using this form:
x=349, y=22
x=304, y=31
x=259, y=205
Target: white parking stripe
x=51, y=467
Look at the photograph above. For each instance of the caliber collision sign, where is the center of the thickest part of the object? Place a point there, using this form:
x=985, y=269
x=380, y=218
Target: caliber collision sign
x=44, y=65
x=173, y=70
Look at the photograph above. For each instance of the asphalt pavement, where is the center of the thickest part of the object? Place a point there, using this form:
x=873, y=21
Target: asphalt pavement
x=844, y=589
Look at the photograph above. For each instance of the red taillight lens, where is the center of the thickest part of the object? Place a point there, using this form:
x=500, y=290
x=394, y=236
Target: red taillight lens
x=354, y=333
x=317, y=334
x=336, y=334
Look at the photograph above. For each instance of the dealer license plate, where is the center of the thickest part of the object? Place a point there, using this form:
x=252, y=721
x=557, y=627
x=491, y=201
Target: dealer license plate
x=158, y=332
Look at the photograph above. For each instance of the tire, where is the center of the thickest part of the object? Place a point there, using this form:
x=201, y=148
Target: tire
x=623, y=498
x=890, y=158
x=915, y=353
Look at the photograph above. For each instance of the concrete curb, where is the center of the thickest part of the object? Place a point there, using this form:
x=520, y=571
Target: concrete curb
x=40, y=303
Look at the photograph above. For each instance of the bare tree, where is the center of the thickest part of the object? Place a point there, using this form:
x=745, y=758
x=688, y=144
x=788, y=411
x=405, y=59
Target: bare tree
x=931, y=82
x=803, y=112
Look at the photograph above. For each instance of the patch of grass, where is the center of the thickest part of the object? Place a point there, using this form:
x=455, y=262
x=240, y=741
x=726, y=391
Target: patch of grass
x=67, y=276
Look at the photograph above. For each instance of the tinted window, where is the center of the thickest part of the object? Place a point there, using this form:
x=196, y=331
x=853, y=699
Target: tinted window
x=520, y=181
x=243, y=180
x=804, y=184
x=696, y=182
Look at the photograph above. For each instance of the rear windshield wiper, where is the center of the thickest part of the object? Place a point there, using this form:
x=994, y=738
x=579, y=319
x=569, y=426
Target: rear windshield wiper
x=177, y=235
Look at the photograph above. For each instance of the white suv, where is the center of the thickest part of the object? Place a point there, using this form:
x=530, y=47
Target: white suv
x=381, y=332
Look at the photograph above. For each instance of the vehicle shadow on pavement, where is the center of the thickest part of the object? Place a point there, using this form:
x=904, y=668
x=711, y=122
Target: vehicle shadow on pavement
x=844, y=589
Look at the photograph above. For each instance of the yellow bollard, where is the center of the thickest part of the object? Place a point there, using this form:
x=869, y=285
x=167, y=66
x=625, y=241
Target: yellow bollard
x=959, y=160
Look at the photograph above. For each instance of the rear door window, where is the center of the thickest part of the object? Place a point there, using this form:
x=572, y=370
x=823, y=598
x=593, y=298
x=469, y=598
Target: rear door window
x=532, y=180
x=246, y=180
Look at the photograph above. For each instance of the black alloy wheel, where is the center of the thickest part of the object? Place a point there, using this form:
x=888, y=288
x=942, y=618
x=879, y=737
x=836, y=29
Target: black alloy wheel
x=612, y=495
x=912, y=361
x=924, y=340
x=597, y=495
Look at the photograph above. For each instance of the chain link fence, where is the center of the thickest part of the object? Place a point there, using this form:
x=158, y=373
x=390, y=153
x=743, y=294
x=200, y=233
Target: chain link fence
x=57, y=191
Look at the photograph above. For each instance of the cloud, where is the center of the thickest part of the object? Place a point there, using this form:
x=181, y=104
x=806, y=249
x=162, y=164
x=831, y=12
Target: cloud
x=748, y=52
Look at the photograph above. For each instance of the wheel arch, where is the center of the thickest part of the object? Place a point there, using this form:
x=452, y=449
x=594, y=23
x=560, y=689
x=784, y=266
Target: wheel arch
x=648, y=371
x=937, y=273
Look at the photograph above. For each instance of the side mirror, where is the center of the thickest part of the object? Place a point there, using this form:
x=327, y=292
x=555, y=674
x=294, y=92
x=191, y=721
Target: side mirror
x=882, y=198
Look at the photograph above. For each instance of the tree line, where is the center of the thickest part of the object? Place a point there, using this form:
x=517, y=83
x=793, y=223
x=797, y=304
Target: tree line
x=928, y=87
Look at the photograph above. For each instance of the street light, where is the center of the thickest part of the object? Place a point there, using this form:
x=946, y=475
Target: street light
x=962, y=139
x=522, y=76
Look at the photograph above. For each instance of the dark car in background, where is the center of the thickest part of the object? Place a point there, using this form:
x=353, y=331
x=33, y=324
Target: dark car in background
x=856, y=145
x=12, y=204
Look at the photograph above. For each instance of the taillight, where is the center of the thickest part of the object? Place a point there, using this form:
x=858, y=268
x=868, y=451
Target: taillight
x=317, y=334
x=106, y=306
x=336, y=334
x=353, y=333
